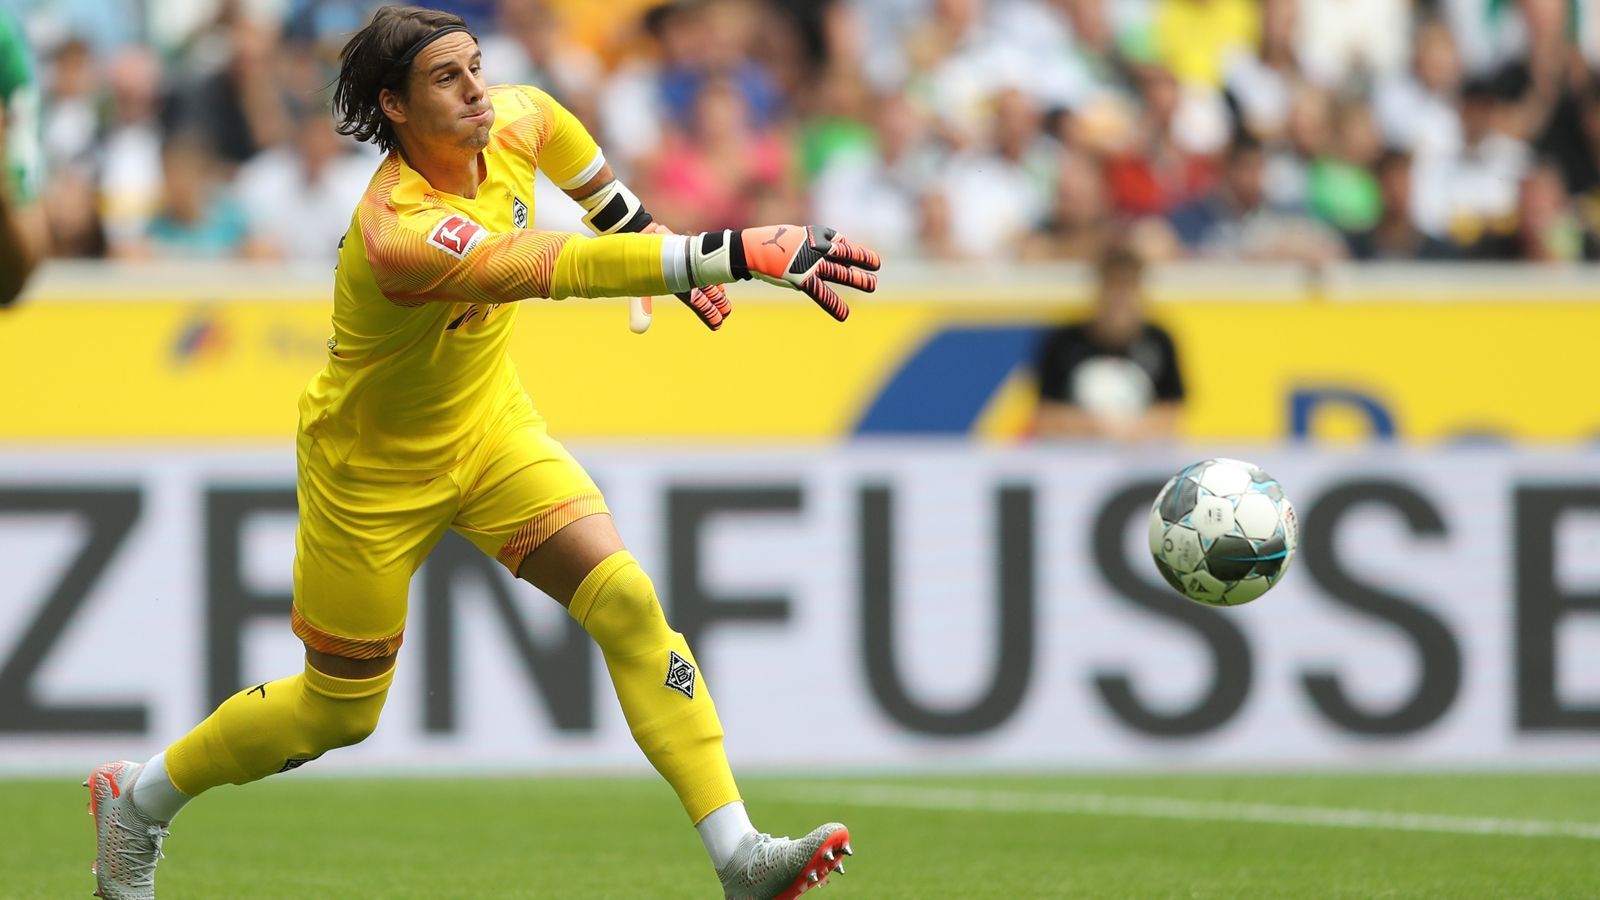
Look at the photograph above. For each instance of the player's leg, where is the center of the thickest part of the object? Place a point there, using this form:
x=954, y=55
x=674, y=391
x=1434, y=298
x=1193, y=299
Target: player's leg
x=535, y=509
x=586, y=568
x=356, y=549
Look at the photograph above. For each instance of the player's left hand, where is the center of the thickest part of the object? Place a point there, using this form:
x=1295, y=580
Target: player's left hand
x=709, y=304
x=805, y=258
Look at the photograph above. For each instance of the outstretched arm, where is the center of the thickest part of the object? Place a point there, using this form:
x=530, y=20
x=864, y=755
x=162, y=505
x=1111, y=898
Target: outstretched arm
x=451, y=258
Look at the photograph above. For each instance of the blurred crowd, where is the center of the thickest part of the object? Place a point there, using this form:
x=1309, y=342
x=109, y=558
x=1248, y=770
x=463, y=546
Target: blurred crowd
x=1301, y=130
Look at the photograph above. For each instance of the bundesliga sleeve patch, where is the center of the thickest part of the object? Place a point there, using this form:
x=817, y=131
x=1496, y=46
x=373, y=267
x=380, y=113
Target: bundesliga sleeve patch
x=680, y=674
x=456, y=235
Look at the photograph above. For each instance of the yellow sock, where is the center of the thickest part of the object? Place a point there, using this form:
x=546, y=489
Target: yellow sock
x=275, y=727
x=664, y=699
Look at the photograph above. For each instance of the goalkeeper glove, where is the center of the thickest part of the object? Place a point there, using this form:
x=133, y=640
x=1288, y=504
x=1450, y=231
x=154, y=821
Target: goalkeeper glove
x=804, y=258
x=710, y=303
x=613, y=209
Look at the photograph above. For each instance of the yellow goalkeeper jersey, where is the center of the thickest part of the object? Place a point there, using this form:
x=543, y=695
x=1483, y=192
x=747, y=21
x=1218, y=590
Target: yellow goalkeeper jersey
x=417, y=364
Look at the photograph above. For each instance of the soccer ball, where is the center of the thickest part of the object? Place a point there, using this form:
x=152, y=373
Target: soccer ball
x=1222, y=532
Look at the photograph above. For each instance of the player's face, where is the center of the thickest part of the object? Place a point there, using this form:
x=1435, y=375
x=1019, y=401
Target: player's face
x=447, y=104
x=1120, y=313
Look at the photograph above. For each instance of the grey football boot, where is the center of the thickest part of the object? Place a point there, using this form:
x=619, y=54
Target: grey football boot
x=128, y=843
x=769, y=868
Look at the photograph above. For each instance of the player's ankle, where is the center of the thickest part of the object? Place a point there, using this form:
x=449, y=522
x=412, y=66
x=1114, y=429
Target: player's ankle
x=722, y=830
x=154, y=794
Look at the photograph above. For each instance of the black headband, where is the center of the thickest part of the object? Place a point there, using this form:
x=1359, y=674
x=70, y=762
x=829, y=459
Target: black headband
x=406, y=58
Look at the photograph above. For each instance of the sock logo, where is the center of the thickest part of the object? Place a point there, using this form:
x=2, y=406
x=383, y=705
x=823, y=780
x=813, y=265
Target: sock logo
x=680, y=674
x=296, y=763
x=262, y=687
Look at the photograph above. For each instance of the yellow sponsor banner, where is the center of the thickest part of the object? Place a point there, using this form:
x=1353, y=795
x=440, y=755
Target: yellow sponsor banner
x=151, y=369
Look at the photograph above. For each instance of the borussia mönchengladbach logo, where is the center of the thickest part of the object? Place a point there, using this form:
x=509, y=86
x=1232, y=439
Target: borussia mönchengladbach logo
x=680, y=674
x=519, y=213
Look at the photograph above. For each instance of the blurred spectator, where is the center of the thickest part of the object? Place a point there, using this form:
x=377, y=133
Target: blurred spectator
x=605, y=30
x=1395, y=236
x=1070, y=49
x=872, y=193
x=1156, y=173
x=1465, y=194
x=1080, y=225
x=531, y=46
x=70, y=116
x=1115, y=376
x=980, y=125
x=1263, y=83
x=1194, y=38
x=1234, y=221
x=1548, y=228
x=1493, y=33
x=237, y=107
x=71, y=133
x=1341, y=187
x=1345, y=42
x=936, y=234
x=323, y=21
x=712, y=41
x=998, y=194
x=708, y=176
x=1417, y=112
x=838, y=121
x=197, y=218
x=297, y=199
x=1552, y=83
x=130, y=166
x=1305, y=140
x=956, y=64
x=695, y=44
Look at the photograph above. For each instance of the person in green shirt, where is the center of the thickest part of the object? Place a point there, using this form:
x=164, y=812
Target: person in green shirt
x=24, y=235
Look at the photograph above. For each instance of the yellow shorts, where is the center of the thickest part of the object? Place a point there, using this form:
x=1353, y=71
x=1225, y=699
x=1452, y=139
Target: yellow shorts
x=360, y=541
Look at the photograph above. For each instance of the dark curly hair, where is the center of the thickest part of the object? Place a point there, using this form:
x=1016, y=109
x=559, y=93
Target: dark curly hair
x=367, y=65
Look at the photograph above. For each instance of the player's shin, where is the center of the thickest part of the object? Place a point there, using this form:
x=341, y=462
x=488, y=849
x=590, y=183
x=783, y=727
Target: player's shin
x=275, y=726
x=663, y=696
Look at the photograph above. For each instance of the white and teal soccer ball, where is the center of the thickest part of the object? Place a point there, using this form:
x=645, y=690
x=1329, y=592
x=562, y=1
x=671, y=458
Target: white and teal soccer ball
x=1222, y=532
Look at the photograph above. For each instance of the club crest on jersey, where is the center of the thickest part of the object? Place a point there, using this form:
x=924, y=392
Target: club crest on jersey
x=519, y=213
x=456, y=235
x=680, y=674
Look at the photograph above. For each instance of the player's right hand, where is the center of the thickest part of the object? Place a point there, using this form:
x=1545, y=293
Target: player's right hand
x=805, y=258
x=710, y=303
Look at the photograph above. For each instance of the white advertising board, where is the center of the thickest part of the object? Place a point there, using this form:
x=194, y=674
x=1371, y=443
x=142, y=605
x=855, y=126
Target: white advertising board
x=863, y=606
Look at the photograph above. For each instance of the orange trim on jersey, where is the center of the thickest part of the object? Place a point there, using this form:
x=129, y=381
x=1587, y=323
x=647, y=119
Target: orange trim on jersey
x=334, y=645
x=543, y=526
x=523, y=116
x=420, y=249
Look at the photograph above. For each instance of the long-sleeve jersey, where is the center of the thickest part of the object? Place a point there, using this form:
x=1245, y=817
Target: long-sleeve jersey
x=425, y=288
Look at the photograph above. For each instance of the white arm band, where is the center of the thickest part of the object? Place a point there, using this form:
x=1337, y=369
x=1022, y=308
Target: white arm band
x=614, y=209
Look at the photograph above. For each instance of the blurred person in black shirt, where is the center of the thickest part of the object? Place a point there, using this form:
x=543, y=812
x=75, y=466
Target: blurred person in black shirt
x=1396, y=236
x=1115, y=376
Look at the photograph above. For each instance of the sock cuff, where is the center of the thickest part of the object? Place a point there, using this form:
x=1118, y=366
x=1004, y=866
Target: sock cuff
x=594, y=584
x=347, y=688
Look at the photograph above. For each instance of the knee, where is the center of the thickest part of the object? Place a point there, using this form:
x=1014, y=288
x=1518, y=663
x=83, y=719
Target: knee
x=341, y=711
x=621, y=607
x=343, y=722
x=357, y=724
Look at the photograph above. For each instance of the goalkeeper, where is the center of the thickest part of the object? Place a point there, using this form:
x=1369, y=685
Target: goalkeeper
x=418, y=423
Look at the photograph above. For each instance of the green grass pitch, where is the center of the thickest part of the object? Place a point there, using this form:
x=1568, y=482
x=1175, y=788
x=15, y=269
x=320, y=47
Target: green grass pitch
x=304, y=836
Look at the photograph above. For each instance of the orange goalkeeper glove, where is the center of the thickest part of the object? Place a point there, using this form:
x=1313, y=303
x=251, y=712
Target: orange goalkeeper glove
x=804, y=258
